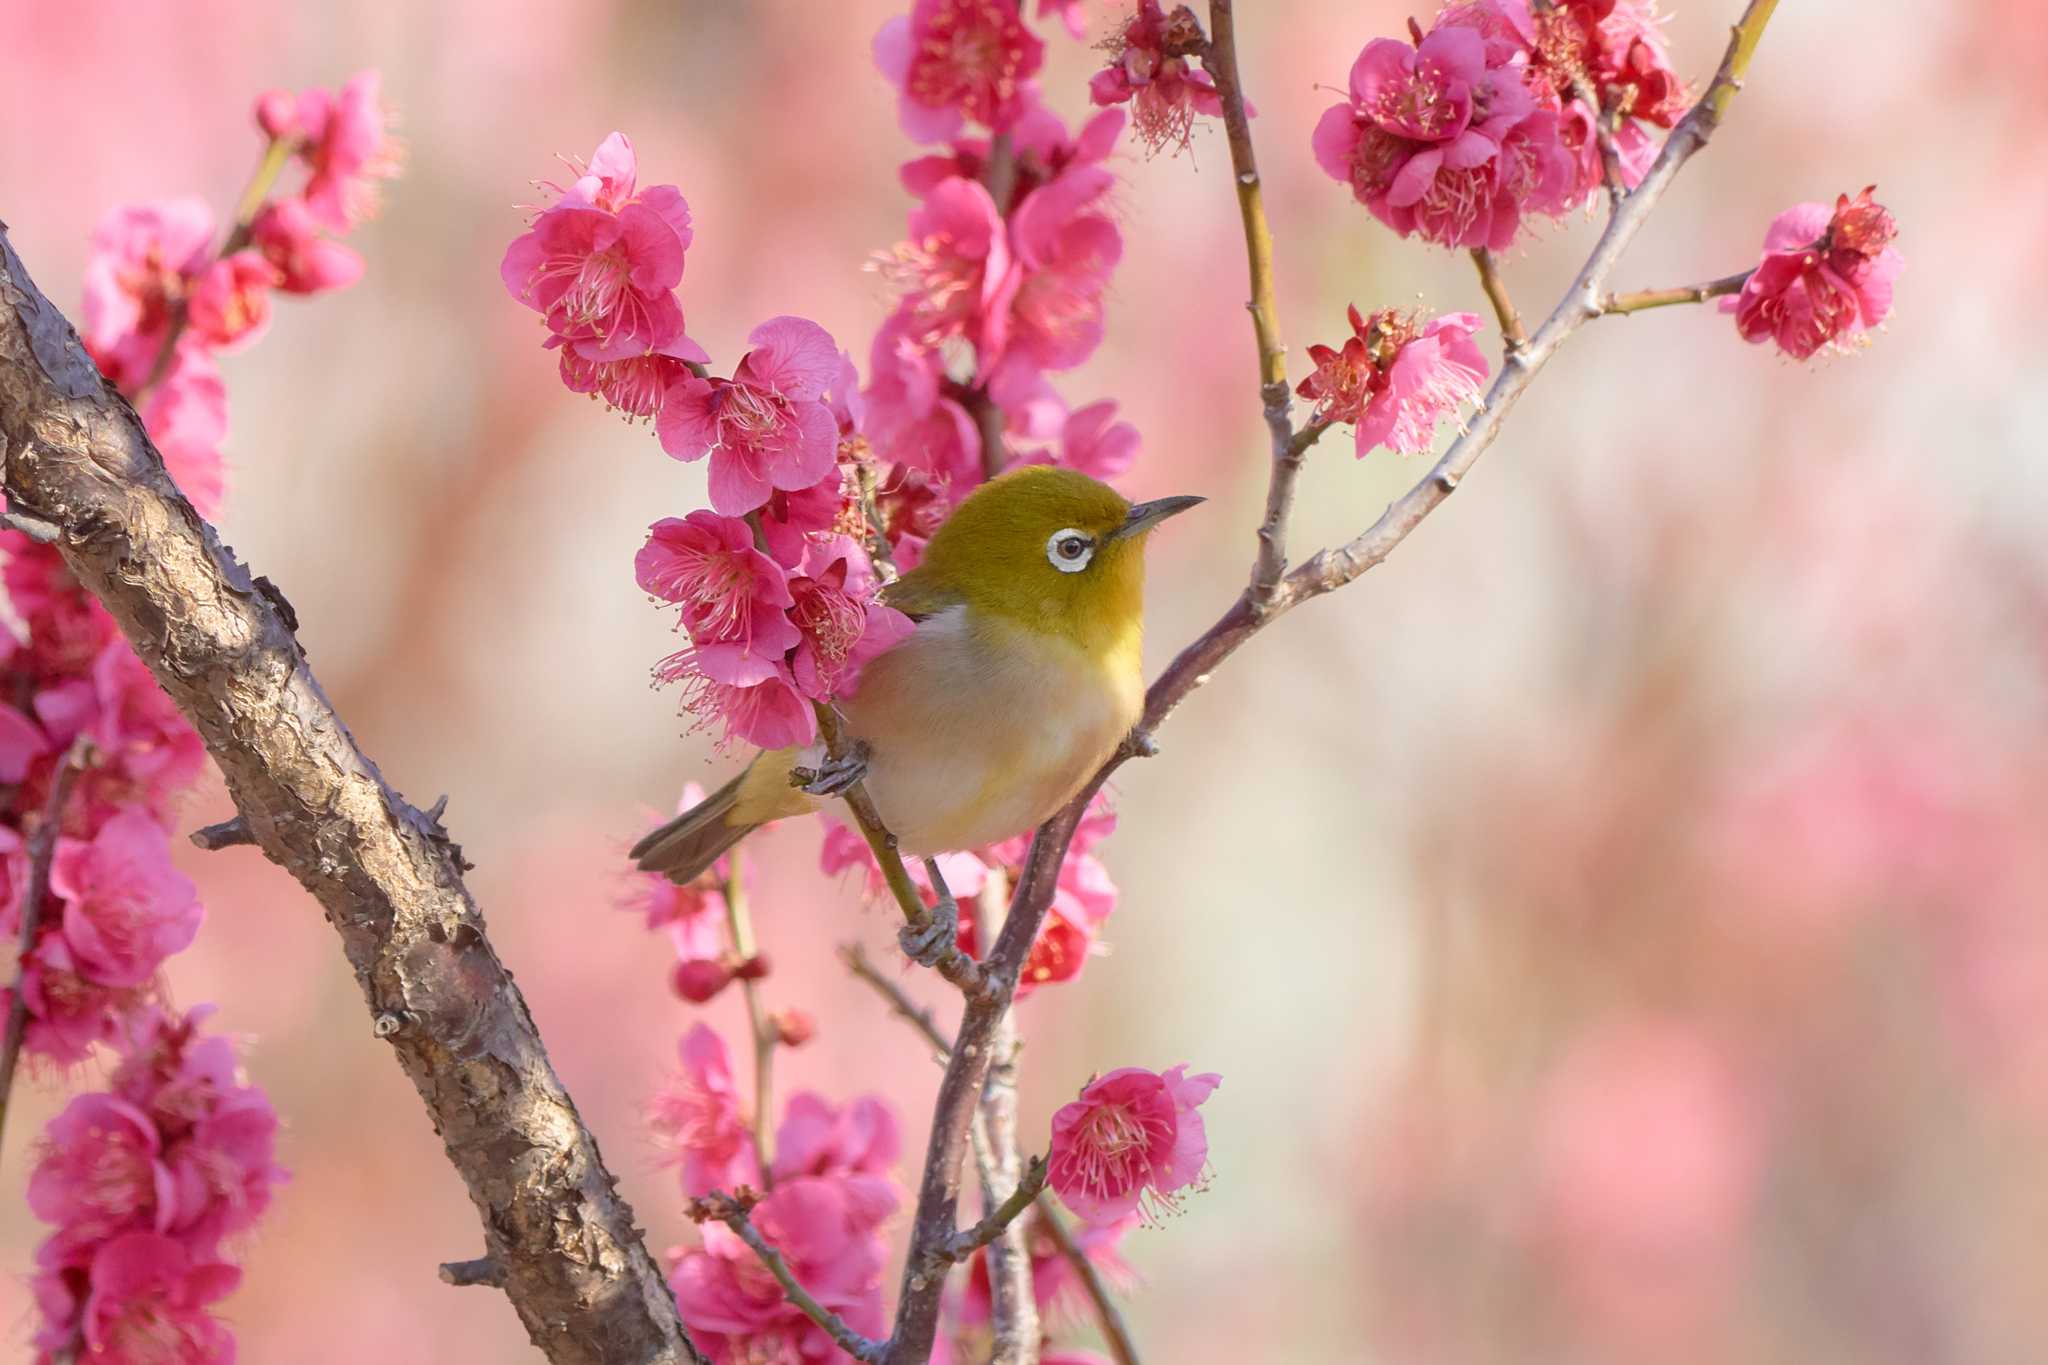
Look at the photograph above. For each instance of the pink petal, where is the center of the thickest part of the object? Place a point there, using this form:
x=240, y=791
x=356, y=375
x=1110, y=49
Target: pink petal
x=794, y=356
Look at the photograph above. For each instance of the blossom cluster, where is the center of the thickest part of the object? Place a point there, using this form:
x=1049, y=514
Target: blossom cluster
x=143, y=1182
x=1396, y=376
x=828, y=1192
x=1463, y=132
x=1826, y=276
x=160, y=300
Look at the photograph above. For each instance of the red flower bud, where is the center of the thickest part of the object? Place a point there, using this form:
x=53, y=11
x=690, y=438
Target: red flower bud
x=753, y=968
x=700, y=978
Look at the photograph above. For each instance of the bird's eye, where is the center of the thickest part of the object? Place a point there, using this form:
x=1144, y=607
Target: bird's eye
x=1070, y=550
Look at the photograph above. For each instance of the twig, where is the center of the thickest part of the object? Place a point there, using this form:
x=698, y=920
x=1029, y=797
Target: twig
x=869, y=821
x=741, y=926
x=732, y=1212
x=1511, y=332
x=857, y=961
x=483, y=1270
x=1108, y=1317
x=939, y=1188
x=42, y=850
x=1332, y=569
x=1640, y=299
x=963, y=1244
x=1275, y=398
x=576, y=1268
x=226, y=834
x=40, y=531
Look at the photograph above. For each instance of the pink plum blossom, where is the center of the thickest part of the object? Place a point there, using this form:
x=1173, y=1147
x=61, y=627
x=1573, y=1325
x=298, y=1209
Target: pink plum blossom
x=1151, y=70
x=601, y=265
x=343, y=137
x=1066, y=248
x=1395, y=378
x=145, y=260
x=147, y=1304
x=67, y=1013
x=841, y=623
x=1133, y=1136
x=1826, y=277
x=818, y=1138
x=954, y=60
x=100, y=1171
x=1072, y=13
x=22, y=741
x=1446, y=139
x=755, y=697
x=954, y=268
x=126, y=908
x=187, y=416
x=305, y=259
x=230, y=304
x=699, y=1118
x=729, y=592
x=766, y=428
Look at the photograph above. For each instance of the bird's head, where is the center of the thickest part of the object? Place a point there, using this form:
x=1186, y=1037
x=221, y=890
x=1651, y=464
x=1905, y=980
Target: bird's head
x=1052, y=550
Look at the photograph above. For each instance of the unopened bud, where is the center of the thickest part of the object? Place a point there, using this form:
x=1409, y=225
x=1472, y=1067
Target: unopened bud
x=793, y=1028
x=753, y=968
x=700, y=978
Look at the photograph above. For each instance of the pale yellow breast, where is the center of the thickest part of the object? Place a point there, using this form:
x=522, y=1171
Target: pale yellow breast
x=978, y=730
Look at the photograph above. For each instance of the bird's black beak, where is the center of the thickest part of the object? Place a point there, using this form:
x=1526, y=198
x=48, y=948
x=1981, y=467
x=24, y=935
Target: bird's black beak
x=1143, y=516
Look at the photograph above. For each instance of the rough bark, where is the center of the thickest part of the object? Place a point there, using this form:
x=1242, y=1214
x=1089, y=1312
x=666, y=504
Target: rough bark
x=221, y=643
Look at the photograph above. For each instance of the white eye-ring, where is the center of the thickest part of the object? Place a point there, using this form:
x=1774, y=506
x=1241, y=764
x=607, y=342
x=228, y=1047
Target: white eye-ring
x=1069, y=550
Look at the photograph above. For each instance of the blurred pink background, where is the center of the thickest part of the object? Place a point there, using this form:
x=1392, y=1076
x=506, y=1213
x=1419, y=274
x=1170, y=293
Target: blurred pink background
x=1618, y=920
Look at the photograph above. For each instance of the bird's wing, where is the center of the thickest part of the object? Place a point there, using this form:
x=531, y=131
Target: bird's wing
x=918, y=597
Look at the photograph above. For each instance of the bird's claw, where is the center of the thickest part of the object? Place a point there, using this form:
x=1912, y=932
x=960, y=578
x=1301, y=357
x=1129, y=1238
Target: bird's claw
x=835, y=776
x=930, y=944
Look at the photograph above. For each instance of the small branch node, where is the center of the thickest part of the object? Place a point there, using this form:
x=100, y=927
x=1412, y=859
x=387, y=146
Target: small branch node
x=484, y=1270
x=226, y=834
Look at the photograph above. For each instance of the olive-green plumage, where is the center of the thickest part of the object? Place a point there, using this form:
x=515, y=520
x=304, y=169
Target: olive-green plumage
x=1024, y=672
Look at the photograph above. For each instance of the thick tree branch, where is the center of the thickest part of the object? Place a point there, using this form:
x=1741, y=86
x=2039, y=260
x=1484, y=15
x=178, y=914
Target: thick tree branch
x=388, y=877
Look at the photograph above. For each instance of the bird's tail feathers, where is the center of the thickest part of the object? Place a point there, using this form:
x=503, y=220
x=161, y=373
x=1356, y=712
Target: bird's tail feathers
x=686, y=846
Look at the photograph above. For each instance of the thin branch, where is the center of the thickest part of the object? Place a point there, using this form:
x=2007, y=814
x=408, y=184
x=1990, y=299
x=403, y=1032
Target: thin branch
x=732, y=1212
x=1275, y=399
x=1640, y=299
x=1298, y=446
x=1581, y=304
x=226, y=834
x=42, y=850
x=576, y=1268
x=857, y=961
x=963, y=1244
x=869, y=821
x=1511, y=331
x=741, y=926
x=1108, y=1317
x=938, y=1190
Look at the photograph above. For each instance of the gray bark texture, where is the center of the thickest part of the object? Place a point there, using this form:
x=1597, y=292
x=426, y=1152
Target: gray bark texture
x=220, y=641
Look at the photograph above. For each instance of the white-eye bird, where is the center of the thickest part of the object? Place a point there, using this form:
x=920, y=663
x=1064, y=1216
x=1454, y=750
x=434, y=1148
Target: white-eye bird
x=1023, y=675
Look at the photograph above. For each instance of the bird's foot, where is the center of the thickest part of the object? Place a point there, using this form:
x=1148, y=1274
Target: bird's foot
x=835, y=776
x=936, y=939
